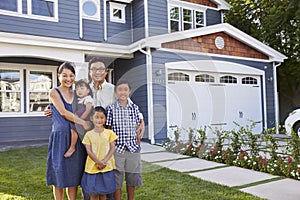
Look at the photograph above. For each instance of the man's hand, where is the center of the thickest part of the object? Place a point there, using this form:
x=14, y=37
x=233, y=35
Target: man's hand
x=48, y=111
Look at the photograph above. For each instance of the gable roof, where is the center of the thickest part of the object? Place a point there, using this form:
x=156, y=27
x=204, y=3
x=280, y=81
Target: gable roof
x=220, y=4
x=157, y=41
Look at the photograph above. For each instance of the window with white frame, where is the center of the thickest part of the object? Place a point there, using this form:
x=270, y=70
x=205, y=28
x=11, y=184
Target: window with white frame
x=25, y=90
x=249, y=81
x=117, y=12
x=185, y=18
x=178, y=76
x=90, y=9
x=36, y=9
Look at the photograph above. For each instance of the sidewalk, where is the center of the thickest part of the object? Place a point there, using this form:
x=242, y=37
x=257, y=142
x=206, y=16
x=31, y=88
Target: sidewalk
x=256, y=183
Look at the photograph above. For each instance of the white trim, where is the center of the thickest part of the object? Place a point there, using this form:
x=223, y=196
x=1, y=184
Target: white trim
x=276, y=101
x=213, y=66
x=157, y=41
x=146, y=18
x=104, y=20
x=80, y=19
x=19, y=12
x=264, y=101
x=222, y=5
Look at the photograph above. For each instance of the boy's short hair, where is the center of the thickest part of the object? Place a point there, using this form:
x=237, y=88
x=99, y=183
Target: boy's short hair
x=123, y=81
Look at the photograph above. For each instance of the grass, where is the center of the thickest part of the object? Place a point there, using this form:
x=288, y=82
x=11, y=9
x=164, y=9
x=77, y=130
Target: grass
x=22, y=177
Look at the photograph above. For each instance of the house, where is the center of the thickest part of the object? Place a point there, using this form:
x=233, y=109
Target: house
x=187, y=68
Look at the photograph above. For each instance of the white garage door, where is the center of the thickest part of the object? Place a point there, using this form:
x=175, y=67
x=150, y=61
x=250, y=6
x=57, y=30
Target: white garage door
x=218, y=100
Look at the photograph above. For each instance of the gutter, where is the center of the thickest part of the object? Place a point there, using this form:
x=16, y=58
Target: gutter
x=276, y=94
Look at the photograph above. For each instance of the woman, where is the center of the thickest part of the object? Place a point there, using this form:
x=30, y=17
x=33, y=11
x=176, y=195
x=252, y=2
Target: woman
x=64, y=172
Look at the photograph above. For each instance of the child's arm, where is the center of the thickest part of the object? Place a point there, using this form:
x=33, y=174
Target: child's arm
x=110, y=152
x=88, y=108
x=100, y=163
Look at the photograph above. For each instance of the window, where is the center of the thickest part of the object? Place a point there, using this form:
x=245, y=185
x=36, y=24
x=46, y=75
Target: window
x=204, y=78
x=9, y=5
x=249, y=81
x=117, y=12
x=174, y=19
x=185, y=18
x=10, y=90
x=36, y=9
x=39, y=85
x=25, y=89
x=178, y=76
x=228, y=79
x=91, y=9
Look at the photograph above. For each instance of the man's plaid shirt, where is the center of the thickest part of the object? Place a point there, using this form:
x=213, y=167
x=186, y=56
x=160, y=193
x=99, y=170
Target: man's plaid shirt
x=123, y=121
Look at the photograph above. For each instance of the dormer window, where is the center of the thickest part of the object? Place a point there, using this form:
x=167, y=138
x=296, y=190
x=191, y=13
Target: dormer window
x=185, y=18
x=117, y=12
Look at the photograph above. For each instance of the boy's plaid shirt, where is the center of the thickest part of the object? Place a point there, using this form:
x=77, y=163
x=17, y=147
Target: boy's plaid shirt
x=123, y=121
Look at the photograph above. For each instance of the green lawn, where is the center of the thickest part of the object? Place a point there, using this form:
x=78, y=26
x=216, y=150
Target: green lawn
x=22, y=177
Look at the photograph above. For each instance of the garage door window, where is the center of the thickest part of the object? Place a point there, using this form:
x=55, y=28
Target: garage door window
x=178, y=76
x=228, y=79
x=249, y=81
x=204, y=78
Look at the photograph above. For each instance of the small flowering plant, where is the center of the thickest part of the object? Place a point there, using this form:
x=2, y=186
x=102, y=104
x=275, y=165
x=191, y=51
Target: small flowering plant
x=244, y=155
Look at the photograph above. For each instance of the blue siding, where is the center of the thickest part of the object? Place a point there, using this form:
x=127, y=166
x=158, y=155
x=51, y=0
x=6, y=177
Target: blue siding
x=92, y=30
x=158, y=17
x=138, y=20
x=17, y=129
x=119, y=33
x=212, y=17
x=67, y=27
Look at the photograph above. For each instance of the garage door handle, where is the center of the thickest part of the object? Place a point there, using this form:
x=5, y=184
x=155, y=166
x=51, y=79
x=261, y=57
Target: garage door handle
x=194, y=115
x=173, y=126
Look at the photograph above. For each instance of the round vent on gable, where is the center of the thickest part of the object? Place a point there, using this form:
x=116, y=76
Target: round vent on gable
x=219, y=42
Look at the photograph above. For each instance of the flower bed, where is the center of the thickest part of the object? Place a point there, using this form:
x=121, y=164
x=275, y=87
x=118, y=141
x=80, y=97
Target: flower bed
x=260, y=152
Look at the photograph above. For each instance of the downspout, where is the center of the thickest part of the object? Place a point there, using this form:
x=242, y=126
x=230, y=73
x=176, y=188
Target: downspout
x=276, y=101
x=149, y=93
x=104, y=21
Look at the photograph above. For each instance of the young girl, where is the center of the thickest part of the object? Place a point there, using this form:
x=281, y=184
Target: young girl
x=98, y=178
x=83, y=108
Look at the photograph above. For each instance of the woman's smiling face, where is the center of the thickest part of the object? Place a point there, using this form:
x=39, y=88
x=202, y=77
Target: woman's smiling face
x=66, y=78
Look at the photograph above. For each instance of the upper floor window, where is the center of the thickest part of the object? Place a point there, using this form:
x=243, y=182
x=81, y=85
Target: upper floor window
x=184, y=18
x=117, y=12
x=91, y=9
x=36, y=9
x=204, y=78
x=249, y=81
x=178, y=76
x=228, y=79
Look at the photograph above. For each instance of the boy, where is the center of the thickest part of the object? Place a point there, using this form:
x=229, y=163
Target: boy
x=123, y=118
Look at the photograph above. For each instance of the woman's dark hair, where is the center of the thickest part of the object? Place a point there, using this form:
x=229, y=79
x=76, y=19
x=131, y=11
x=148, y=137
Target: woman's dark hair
x=67, y=65
x=81, y=82
x=98, y=109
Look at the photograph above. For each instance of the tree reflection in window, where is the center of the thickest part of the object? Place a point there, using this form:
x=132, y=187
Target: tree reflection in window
x=39, y=86
x=204, y=78
x=178, y=76
x=10, y=93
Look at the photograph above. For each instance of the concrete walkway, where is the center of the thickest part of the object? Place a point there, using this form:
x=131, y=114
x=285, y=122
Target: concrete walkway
x=256, y=183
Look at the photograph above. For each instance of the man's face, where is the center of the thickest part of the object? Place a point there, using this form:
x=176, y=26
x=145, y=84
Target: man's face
x=98, y=72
